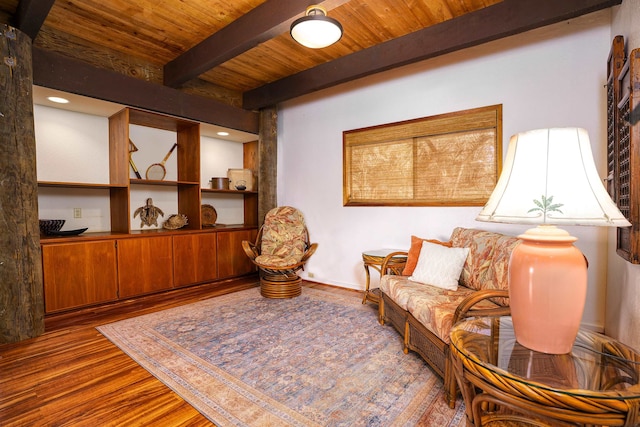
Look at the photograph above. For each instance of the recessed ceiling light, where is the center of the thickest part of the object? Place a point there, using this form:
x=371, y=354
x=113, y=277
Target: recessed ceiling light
x=223, y=133
x=58, y=100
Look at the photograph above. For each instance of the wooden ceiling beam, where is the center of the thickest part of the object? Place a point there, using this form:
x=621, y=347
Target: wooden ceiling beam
x=59, y=72
x=262, y=23
x=265, y=22
x=31, y=15
x=487, y=24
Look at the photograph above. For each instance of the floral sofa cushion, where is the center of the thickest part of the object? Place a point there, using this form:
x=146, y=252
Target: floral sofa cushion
x=433, y=307
x=487, y=265
x=400, y=288
x=283, y=237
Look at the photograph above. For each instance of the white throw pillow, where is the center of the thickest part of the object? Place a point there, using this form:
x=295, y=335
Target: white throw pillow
x=439, y=265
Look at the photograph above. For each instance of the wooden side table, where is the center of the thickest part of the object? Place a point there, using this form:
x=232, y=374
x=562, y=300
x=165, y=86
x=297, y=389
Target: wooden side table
x=375, y=258
x=597, y=383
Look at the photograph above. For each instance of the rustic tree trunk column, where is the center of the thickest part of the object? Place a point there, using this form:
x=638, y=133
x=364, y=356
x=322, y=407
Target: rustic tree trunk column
x=21, y=289
x=268, y=162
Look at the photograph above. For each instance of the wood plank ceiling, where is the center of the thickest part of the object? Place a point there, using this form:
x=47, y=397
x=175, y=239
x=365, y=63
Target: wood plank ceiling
x=233, y=57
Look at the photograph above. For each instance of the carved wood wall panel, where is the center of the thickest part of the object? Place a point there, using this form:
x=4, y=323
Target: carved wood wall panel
x=623, y=143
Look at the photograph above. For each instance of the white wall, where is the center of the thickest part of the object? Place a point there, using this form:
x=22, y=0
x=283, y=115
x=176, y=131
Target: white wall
x=550, y=77
x=623, y=291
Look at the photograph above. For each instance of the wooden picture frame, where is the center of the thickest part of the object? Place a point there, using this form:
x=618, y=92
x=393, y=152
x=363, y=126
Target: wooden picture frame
x=451, y=159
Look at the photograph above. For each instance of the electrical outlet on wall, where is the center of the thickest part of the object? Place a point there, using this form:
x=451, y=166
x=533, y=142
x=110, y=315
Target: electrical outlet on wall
x=77, y=212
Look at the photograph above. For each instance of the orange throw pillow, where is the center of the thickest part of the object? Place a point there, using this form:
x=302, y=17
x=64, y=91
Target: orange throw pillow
x=414, y=253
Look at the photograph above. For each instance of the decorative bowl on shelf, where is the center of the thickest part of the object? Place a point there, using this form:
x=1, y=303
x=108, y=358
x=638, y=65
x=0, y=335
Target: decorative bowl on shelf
x=48, y=226
x=175, y=221
x=68, y=232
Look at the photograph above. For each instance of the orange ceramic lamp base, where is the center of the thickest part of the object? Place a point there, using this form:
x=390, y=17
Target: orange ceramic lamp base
x=547, y=289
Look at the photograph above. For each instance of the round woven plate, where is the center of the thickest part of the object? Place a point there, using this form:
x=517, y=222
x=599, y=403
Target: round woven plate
x=209, y=216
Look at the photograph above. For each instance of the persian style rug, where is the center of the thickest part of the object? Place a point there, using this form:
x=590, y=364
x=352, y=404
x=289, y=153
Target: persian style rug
x=315, y=360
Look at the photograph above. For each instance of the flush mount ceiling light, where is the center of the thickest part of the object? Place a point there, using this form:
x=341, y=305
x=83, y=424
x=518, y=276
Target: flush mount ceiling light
x=316, y=30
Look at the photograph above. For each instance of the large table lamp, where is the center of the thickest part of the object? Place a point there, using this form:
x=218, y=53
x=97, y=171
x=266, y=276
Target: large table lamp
x=549, y=178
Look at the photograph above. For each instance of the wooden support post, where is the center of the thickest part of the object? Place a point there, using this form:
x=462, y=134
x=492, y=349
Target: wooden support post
x=268, y=162
x=21, y=288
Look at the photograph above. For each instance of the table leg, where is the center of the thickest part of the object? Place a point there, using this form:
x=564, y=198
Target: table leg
x=367, y=282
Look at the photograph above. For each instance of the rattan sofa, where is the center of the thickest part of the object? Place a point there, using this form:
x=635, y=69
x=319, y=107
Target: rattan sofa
x=424, y=314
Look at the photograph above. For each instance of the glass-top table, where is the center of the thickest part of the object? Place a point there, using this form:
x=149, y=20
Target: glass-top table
x=598, y=382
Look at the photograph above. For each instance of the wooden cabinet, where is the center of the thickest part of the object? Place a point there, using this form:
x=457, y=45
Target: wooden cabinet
x=91, y=272
x=122, y=262
x=79, y=274
x=232, y=261
x=145, y=265
x=194, y=259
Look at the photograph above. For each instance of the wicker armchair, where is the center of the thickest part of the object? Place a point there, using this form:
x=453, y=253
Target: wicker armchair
x=281, y=249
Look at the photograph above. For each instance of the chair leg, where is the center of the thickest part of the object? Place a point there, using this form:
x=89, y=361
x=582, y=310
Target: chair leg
x=407, y=332
x=450, y=383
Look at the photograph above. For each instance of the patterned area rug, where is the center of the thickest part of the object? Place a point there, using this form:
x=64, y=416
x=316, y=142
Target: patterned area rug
x=315, y=360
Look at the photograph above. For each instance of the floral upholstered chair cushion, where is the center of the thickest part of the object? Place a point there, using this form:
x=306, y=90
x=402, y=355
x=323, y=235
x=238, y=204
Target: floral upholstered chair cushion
x=284, y=238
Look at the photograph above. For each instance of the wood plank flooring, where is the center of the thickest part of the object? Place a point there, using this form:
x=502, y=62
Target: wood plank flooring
x=72, y=375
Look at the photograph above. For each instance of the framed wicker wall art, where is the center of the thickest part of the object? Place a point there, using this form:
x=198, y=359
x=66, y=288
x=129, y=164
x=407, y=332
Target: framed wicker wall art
x=451, y=159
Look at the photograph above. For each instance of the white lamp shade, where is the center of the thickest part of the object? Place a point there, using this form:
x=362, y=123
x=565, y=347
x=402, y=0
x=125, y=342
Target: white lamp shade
x=549, y=177
x=316, y=30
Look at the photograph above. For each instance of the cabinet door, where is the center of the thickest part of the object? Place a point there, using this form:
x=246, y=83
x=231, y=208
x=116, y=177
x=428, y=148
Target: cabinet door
x=79, y=274
x=232, y=261
x=194, y=259
x=145, y=265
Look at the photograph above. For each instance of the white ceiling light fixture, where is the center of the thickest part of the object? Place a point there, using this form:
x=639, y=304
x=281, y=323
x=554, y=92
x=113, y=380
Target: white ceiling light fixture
x=316, y=30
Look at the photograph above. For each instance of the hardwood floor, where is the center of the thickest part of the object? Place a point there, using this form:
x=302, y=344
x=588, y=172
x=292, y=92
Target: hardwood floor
x=72, y=375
